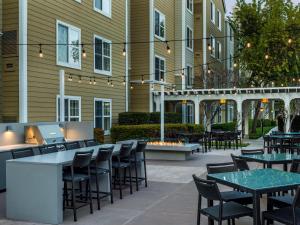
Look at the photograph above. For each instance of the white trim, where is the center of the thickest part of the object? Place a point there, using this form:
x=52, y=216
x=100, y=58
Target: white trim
x=23, y=82
x=109, y=15
x=192, y=67
x=79, y=1
x=69, y=65
x=165, y=66
x=213, y=46
x=212, y=12
x=69, y=97
x=219, y=19
x=219, y=51
x=190, y=11
x=191, y=30
x=165, y=28
x=151, y=50
x=110, y=116
x=102, y=72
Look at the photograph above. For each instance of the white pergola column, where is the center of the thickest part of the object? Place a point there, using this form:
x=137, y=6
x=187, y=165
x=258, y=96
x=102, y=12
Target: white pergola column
x=162, y=113
x=197, y=111
x=246, y=118
x=239, y=105
x=287, y=108
x=62, y=95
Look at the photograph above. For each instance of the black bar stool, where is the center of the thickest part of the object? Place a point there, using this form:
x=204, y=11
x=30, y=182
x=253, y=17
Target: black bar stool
x=72, y=145
x=91, y=143
x=47, y=149
x=22, y=153
x=76, y=174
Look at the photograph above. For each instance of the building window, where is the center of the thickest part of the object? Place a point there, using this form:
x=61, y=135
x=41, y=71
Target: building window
x=219, y=18
x=160, y=68
x=213, y=46
x=102, y=56
x=189, y=38
x=230, y=61
x=72, y=108
x=103, y=114
x=219, y=50
x=189, y=5
x=230, y=113
x=190, y=113
x=189, y=76
x=68, y=45
x=160, y=24
x=103, y=7
x=212, y=12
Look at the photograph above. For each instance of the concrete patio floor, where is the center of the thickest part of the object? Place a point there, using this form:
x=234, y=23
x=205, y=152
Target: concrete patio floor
x=170, y=199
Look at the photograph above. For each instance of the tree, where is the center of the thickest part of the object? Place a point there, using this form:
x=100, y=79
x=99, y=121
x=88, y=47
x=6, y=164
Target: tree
x=268, y=36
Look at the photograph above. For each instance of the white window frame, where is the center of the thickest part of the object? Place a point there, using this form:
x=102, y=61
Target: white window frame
x=165, y=66
x=230, y=113
x=190, y=3
x=213, y=46
x=192, y=115
x=101, y=11
x=79, y=1
x=219, y=50
x=76, y=98
x=70, y=65
x=188, y=39
x=191, y=76
x=165, y=28
x=212, y=12
x=107, y=132
x=219, y=20
x=103, y=72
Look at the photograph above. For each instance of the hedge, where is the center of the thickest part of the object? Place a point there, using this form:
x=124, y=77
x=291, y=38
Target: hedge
x=266, y=122
x=224, y=126
x=99, y=135
x=136, y=118
x=151, y=131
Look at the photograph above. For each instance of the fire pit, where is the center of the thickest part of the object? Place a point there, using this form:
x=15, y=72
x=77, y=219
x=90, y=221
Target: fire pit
x=170, y=150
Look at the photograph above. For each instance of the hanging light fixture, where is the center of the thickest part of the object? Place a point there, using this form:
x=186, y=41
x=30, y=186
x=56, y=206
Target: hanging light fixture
x=41, y=55
x=83, y=51
x=208, y=70
x=168, y=48
x=264, y=100
x=222, y=101
x=124, y=50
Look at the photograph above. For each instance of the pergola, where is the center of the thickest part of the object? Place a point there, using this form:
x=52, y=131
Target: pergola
x=238, y=95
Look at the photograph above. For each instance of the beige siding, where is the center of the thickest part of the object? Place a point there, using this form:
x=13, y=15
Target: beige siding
x=139, y=54
x=43, y=78
x=1, y=71
x=10, y=79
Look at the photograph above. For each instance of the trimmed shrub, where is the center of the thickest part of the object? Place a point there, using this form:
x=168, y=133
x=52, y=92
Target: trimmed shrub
x=99, y=135
x=224, y=126
x=151, y=131
x=136, y=118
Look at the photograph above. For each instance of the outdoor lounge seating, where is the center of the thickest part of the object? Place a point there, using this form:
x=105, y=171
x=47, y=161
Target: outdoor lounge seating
x=224, y=211
x=240, y=164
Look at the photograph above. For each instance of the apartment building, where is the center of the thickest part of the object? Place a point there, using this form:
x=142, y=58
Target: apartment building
x=210, y=63
x=159, y=22
x=75, y=36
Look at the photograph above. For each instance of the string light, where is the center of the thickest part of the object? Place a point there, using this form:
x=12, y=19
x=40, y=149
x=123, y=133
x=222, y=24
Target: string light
x=152, y=87
x=182, y=73
x=131, y=87
x=168, y=48
x=70, y=78
x=143, y=80
x=209, y=70
x=267, y=56
x=83, y=51
x=294, y=79
x=94, y=81
x=111, y=84
x=235, y=65
x=299, y=80
x=209, y=47
x=80, y=80
x=41, y=55
x=124, y=50
x=290, y=40
x=124, y=81
x=90, y=81
x=248, y=45
x=108, y=81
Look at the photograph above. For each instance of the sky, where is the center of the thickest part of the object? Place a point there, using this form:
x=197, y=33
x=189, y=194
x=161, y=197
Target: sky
x=230, y=4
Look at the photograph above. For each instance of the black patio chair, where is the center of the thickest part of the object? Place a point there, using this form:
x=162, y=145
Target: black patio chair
x=224, y=210
x=22, y=153
x=47, y=149
x=228, y=196
x=285, y=200
x=288, y=215
x=76, y=175
x=240, y=164
x=252, y=152
x=91, y=143
x=72, y=145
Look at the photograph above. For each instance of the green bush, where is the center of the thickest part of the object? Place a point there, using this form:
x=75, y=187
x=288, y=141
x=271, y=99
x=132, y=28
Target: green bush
x=136, y=118
x=224, y=126
x=151, y=131
x=266, y=122
x=99, y=135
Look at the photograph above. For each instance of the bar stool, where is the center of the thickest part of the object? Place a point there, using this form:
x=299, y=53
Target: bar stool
x=81, y=162
x=72, y=145
x=91, y=143
x=22, y=153
x=47, y=149
x=104, y=155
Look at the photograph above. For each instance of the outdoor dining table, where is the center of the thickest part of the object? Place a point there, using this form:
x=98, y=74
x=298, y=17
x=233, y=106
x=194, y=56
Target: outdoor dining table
x=35, y=185
x=282, y=138
x=258, y=182
x=272, y=159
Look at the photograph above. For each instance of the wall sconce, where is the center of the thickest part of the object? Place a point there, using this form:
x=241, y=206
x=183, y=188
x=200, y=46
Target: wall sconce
x=8, y=128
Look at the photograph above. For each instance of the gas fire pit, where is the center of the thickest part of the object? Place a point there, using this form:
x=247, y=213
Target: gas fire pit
x=170, y=150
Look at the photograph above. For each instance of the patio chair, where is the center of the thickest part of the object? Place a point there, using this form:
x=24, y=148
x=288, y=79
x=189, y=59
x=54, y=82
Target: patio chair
x=22, y=153
x=122, y=162
x=285, y=200
x=240, y=164
x=91, y=143
x=76, y=175
x=288, y=215
x=252, y=152
x=47, y=149
x=224, y=210
x=229, y=196
x=72, y=145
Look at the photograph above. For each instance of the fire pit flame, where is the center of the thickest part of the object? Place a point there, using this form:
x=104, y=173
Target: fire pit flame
x=161, y=143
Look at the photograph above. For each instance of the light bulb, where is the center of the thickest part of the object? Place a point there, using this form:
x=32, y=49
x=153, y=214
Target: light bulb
x=248, y=45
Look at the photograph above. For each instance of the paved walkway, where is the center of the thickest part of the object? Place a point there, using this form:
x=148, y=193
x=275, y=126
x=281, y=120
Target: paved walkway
x=170, y=199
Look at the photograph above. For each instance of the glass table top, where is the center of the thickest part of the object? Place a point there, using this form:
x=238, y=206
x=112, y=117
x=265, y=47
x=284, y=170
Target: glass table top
x=271, y=157
x=259, y=179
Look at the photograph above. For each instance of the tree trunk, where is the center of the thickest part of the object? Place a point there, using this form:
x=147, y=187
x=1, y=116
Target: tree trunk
x=254, y=123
